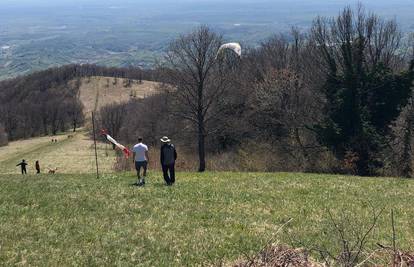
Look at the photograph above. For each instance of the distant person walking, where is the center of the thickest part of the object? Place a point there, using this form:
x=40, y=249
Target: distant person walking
x=37, y=166
x=141, y=159
x=23, y=165
x=168, y=158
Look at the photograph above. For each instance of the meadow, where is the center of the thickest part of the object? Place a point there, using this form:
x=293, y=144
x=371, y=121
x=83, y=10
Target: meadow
x=69, y=155
x=205, y=219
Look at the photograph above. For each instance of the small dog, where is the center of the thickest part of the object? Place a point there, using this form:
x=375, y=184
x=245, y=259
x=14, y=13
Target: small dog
x=52, y=171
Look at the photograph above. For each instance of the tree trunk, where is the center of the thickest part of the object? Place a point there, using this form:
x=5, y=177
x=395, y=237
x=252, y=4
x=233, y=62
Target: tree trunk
x=406, y=160
x=201, y=148
x=362, y=164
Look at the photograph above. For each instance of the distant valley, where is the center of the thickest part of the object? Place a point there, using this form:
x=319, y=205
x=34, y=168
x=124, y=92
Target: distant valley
x=35, y=35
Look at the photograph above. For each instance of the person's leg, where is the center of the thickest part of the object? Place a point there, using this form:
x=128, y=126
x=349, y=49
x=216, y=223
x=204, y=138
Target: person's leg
x=165, y=173
x=172, y=173
x=144, y=167
x=138, y=168
x=24, y=171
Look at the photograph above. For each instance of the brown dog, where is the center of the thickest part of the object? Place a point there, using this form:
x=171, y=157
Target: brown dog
x=52, y=171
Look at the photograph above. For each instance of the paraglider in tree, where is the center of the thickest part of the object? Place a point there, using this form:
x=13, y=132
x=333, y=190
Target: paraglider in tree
x=235, y=47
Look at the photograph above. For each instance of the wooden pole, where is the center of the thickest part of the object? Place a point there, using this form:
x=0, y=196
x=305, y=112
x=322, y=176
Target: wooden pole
x=94, y=141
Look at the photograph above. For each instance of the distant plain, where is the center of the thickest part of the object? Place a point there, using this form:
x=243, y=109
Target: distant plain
x=38, y=34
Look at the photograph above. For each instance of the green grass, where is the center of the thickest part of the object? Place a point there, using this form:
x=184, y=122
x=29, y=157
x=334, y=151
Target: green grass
x=79, y=220
x=69, y=155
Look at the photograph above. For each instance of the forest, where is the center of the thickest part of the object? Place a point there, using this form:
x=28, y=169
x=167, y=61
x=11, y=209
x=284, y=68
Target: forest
x=336, y=99
x=47, y=102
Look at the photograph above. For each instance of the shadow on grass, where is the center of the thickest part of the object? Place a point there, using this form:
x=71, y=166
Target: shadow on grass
x=156, y=184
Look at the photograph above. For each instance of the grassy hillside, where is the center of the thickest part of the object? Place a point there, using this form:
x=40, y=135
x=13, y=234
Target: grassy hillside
x=69, y=155
x=205, y=218
x=96, y=92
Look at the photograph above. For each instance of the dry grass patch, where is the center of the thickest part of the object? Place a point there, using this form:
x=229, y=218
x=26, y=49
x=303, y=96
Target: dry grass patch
x=68, y=155
x=97, y=92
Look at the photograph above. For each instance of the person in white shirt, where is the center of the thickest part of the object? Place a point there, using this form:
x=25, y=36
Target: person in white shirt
x=141, y=159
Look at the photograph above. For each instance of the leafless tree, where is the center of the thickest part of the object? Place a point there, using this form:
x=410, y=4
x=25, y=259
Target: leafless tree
x=399, y=154
x=3, y=136
x=200, y=81
x=355, y=38
x=75, y=113
x=111, y=118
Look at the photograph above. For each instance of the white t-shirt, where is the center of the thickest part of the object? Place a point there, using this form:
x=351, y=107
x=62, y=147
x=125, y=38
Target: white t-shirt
x=139, y=150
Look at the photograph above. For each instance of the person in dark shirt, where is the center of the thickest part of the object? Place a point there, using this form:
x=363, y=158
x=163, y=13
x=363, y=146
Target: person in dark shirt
x=168, y=158
x=37, y=167
x=23, y=165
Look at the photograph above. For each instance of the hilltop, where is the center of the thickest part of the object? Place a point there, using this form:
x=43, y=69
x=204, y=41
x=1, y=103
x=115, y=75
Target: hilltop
x=96, y=92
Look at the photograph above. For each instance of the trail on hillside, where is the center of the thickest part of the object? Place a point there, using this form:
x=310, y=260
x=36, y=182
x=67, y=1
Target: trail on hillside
x=69, y=155
x=95, y=108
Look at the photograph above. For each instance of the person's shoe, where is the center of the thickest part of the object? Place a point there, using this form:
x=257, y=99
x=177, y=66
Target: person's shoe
x=141, y=183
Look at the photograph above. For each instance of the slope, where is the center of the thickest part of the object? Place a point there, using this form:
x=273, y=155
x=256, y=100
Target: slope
x=74, y=154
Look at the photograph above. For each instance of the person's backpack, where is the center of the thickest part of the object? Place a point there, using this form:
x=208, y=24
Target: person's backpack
x=168, y=152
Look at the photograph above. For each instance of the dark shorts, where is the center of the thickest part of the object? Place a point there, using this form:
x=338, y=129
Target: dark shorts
x=140, y=164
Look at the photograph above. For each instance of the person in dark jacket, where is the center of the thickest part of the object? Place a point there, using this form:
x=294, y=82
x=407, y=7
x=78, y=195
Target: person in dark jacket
x=168, y=158
x=23, y=165
x=37, y=166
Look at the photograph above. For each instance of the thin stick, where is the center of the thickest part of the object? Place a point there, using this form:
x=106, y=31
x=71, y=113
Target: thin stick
x=94, y=141
x=394, y=246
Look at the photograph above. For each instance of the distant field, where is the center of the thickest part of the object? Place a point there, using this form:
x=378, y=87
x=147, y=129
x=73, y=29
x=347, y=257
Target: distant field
x=96, y=92
x=36, y=35
x=69, y=155
x=205, y=218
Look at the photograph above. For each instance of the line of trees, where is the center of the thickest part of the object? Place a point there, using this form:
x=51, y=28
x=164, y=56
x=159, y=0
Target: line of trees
x=336, y=98
x=46, y=102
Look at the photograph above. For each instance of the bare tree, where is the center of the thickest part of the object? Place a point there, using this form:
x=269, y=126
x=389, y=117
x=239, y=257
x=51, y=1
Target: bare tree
x=111, y=118
x=199, y=79
x=75, y=113
x=3, y=136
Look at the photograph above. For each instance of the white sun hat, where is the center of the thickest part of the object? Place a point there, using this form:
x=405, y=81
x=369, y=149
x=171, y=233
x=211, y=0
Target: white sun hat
x=165, y=139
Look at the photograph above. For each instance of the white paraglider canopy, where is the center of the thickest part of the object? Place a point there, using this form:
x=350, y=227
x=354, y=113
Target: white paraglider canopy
x=235, y=47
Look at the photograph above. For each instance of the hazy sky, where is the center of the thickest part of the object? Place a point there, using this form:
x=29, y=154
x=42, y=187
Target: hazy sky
x=257, y=2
